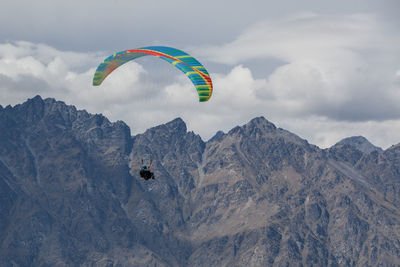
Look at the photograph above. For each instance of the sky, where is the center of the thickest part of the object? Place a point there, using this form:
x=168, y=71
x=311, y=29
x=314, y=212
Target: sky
x=324, y=70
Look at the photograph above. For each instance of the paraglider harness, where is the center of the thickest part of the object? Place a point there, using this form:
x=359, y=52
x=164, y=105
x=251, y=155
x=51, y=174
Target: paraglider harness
x=145, y=171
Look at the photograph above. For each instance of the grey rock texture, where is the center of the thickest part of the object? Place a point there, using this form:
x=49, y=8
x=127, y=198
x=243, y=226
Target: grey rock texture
x=360, y=143
x=70, y=195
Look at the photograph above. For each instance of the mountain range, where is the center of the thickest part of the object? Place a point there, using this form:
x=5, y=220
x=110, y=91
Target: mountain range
x=258, y=195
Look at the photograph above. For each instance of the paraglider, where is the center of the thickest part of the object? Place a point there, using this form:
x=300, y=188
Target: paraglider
x=183, y=61
x=193, y=69
x=145, y=171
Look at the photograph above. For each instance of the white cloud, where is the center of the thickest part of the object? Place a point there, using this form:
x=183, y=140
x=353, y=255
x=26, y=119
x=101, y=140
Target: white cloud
x=339, y=66
x=338, y=79
x=316, y=36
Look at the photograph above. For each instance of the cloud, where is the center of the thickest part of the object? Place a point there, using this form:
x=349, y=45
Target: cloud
x=335, y=77
x=342, y=67
x=39, y=69
x=122, y=24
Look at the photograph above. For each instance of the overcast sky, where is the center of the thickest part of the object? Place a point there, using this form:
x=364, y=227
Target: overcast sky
x=324, y=70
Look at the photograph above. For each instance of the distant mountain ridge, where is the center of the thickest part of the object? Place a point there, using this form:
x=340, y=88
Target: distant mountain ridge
x=359, y=142
x=258, y=195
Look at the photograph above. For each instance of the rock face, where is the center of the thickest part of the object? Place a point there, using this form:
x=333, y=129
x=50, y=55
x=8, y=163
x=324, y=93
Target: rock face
x=360, y=143
x=258, y=195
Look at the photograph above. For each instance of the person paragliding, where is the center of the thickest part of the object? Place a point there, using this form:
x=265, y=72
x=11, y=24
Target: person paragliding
x=145, y=171
x=190, y=66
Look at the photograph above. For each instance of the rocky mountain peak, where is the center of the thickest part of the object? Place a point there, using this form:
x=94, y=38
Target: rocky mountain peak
x=259, y=129
x=217, y=136
x=261, y=122
x=36, y=101
x=174, y=128
x=255, y=126
x=359, y=142
x=165, y=139
x=177, y=125
x=32, y=110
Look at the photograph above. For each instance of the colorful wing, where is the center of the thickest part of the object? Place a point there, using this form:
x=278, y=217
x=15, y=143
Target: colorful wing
x=183, y=61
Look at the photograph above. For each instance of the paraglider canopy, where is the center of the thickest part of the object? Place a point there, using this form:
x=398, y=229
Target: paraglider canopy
x=183, y=61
